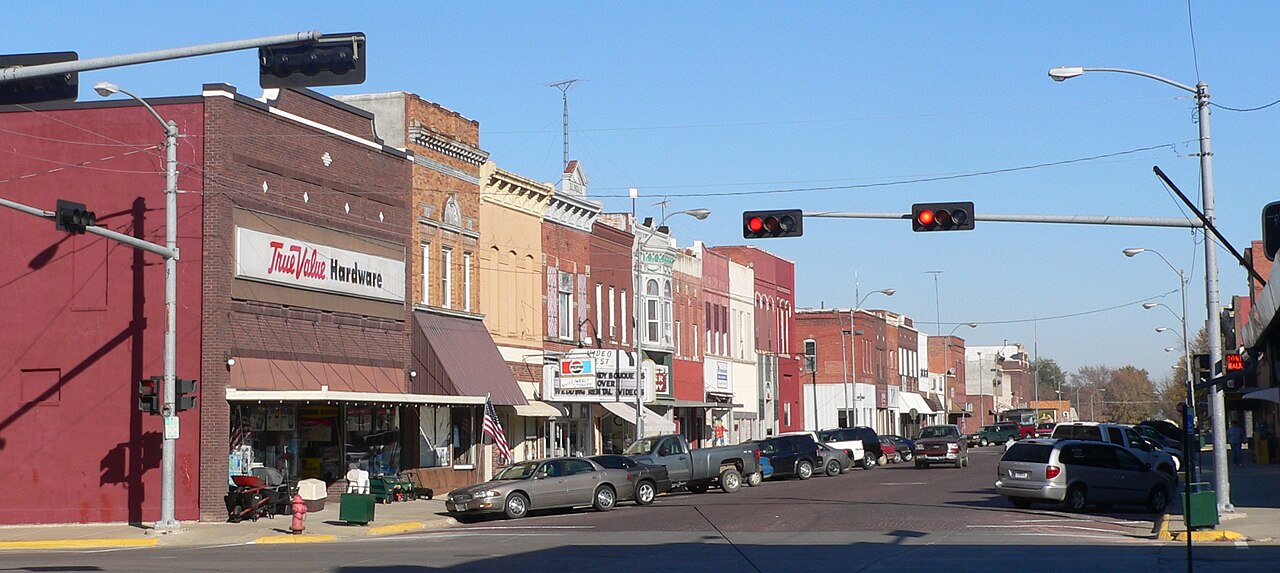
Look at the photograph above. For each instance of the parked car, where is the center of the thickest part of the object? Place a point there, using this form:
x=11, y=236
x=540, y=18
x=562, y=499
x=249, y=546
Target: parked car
x=834, y=462
x=793, y=455
x=995, y=434
x=941, y=444
x=1170, y=445
x=852, y=447
x=1125, y=437
x=872, y=455
x=552, y=483
x=1024, y=430
x=1078, y=473
x=1045, y=429
x=697, y=469
x=902, y=447
x=1167, y=429
x=649, y=479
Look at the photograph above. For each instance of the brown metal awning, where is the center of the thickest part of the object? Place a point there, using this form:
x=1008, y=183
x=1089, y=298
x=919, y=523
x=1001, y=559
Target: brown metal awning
x=455, y=355
x=300, y=375
x=933, y=404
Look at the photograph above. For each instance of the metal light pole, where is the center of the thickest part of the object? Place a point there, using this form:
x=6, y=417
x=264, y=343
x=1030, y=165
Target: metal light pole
x=844, y=371
x=946, y=363
x=853, y=360
x=1222, y=485
x=168, y=450
x=699, y=214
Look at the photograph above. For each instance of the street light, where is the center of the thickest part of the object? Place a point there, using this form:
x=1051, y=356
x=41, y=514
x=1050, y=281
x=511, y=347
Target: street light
x=1093, y=413
x=1213, y=329
x=1186, y=348
x=698, y=214
x=946, y=366
x=167, y=522
x=853, y=359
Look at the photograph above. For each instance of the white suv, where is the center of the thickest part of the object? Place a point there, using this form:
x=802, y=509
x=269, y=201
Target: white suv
x=1125, y=437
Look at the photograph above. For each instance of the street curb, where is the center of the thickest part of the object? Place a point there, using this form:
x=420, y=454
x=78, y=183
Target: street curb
x=1162, y=533
x=278, y=539
x=78, y=544
x=396, y=528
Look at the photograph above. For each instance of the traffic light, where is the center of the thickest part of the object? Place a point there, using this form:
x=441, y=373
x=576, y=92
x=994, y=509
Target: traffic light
x=184, y=394
x=810, y=355
x=942, y=216
x=1200, y=362
x=1271, y=229
x=149, y=394
x=767, y=224
x=56, y=87
x=332, y=60
x=72, y=217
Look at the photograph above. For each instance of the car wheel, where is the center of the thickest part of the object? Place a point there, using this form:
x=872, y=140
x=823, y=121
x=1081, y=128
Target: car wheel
x=1076, y=498
x=604, y=498
x=730, y=480
x=1158, y=499
x=645, y=492
x=897, y=457
x=700, y=488
x=908, y=457
x=1020, y=502
x=983, y=442
x=833, y=468
x=882, y=461
x=868, y=463
x=965, y=463
x=517, y=506
x=754, y=479
x=804, y=469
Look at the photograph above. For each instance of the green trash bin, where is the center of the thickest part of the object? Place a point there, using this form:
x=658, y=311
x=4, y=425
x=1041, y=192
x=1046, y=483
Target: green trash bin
x=1204, y=507
x=357, y=508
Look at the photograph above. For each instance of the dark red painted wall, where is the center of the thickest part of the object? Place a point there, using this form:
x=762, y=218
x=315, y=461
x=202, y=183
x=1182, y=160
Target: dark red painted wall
x=84, y=316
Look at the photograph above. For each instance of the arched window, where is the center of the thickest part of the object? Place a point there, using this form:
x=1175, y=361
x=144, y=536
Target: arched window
x=651, y=287
x=666, y=289
x=452, y=214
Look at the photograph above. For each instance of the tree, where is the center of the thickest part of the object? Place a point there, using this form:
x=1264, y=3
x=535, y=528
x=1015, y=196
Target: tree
x=1130, y=397
x=1174, y=391
x=1087, y=386
x=1049, y=377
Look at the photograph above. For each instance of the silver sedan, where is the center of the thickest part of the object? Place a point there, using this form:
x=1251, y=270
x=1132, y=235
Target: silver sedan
x=545, y=484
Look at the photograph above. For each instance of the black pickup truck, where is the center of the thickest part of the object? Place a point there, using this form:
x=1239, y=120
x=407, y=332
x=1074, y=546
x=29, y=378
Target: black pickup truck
x=698, y=469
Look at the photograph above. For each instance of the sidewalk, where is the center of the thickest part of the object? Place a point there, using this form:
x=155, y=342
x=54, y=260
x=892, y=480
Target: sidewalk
x=321, y=526
x=1255, y=493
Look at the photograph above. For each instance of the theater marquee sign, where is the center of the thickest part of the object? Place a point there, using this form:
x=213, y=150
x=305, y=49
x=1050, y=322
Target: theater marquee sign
x=290, y=262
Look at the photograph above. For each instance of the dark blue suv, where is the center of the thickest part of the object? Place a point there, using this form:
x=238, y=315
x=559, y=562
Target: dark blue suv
x=791, y=455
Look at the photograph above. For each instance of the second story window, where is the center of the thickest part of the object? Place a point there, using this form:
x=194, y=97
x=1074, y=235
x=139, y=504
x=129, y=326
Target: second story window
x=446, y=277
x=565, y=305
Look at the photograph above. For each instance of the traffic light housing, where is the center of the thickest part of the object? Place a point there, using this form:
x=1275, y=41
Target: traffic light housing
x=331, y=60
x=72, y=217
x=957, y=216
x=55, y=87
x=149, y=394
x=184, y=394
x=769, y=224
x=1271, y=229
x=1200, y=362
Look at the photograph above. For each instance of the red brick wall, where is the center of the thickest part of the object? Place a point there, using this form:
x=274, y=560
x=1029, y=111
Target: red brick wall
x=825, y=327
x=610, y=258
x=569, y=251
x=318, y=108
x=240, y=139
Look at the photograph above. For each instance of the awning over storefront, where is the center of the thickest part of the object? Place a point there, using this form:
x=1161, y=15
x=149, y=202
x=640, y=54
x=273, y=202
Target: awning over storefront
x=539, y=409
x=461, y=358
x=1268, y=394
x=654, y=423
x=270, y=374
x=933, y=404
x=237, y=395
x=908, y=401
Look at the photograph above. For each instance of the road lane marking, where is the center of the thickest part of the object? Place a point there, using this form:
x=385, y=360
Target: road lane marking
x=904, y=483
x=1080, y=527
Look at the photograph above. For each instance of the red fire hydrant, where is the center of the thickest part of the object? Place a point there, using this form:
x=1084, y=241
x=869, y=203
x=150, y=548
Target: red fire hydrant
x=299, y=514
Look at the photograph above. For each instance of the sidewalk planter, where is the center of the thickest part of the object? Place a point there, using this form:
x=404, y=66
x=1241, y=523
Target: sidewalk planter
x=357, y=508
x=1204, y=507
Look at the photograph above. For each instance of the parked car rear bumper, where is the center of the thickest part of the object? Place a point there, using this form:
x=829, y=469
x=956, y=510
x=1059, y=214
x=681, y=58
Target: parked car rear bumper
x=1012, y=488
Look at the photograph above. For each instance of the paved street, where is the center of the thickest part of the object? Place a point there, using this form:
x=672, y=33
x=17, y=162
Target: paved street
x=879, y=520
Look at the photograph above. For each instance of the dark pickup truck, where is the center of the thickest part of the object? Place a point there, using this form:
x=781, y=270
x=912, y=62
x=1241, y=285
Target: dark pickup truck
x=698, y=469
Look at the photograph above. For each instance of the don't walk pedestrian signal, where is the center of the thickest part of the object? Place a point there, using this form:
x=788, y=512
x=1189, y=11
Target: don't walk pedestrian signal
x=942, y=216
x=768, y=224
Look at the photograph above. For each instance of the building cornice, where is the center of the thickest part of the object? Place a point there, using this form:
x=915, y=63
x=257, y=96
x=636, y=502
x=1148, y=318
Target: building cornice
x=572, y=211
x=443, y=169
x=516, y=192
x=421, y=136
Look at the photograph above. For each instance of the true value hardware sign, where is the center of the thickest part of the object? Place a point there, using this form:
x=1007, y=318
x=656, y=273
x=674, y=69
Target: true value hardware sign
x=290, y=262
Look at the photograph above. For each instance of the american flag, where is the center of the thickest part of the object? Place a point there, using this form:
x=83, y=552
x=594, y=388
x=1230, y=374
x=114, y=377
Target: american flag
x=493, y=429
x=240, y=433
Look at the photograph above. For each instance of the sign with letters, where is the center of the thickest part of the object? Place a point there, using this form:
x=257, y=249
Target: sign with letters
x=294, y=263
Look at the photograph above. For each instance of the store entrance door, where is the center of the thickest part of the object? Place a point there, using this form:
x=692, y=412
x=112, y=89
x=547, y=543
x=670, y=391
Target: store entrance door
x=572, y=438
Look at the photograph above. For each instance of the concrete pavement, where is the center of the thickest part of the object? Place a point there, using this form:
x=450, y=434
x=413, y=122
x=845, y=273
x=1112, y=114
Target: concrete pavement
x=321, y=526
x=1255, y=493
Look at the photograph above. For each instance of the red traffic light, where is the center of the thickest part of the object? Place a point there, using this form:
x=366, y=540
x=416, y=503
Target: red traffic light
x=765, y=224
x=942, y=216
x=925, y=218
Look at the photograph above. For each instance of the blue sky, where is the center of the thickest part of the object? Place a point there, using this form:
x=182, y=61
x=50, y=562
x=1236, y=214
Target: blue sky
x=686, y=99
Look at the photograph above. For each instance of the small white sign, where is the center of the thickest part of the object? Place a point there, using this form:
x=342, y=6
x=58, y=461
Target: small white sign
x=170, y=427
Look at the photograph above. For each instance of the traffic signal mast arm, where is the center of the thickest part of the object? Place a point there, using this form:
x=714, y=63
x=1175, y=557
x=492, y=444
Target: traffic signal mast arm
x=100, y=231
x=1014, y=218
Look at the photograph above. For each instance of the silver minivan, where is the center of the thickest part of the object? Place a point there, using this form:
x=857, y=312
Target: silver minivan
x=1078, y=473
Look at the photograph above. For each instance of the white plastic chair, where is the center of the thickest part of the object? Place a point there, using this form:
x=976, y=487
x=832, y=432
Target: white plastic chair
x=357, y=481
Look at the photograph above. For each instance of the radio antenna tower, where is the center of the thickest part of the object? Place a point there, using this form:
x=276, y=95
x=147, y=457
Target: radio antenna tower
x=563, y=86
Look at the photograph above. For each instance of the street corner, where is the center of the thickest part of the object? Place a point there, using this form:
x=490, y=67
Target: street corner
x=1162, y=533
x=403, y=527
x=291, y=538
x=114, y=543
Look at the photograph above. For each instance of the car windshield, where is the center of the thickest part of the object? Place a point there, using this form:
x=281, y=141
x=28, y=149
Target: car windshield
x=937, y=432
x=518, y=471
x=642, y=447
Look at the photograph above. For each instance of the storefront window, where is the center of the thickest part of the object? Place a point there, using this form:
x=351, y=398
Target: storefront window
x=314, y=440
x=264, y=436
x=435, y=436
x=373, y=439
